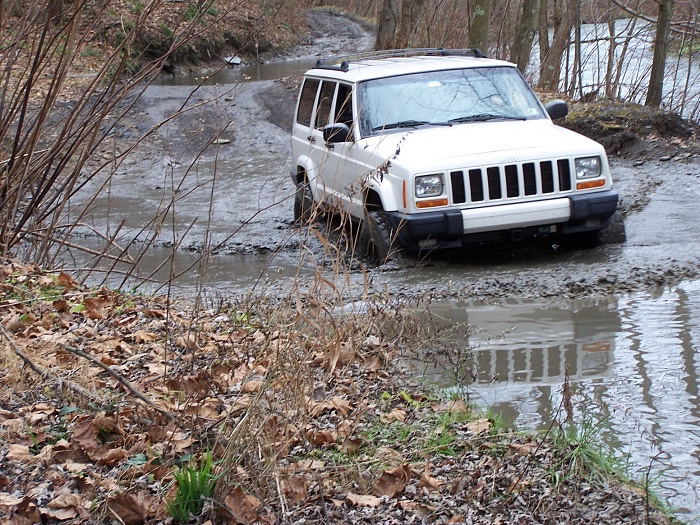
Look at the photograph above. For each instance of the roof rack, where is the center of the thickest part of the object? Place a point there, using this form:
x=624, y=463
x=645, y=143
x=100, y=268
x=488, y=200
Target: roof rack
x=342, y=63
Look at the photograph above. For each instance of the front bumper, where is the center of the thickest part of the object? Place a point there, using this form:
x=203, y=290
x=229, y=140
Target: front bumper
x=451, y=229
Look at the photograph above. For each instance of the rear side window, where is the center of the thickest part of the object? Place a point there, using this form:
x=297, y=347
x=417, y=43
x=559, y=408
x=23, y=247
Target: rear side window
x=306, y=101
x=325, y=100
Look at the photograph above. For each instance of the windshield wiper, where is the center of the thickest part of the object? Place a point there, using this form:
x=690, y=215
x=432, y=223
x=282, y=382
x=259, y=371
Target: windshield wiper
x=410, y=124
x=483, y=117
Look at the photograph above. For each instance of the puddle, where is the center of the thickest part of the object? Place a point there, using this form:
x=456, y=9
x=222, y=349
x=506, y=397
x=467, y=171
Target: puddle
x=243, y=73
x=632, y=361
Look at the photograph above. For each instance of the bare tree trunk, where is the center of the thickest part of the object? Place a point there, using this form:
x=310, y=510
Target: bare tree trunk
x=524, y=35
x=550, y=68
x=479, y=25
x=411, y=11
x=389, y=19
x=543, y=30
x=658, y=65
x=612, y=47
x=397, y=23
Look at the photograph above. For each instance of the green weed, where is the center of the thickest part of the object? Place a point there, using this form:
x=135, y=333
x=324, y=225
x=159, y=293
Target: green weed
x=195, y=483
x=583, y=454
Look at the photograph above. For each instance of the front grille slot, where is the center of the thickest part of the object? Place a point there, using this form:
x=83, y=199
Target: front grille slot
x=459, y=192
x=547, y=174
x=530, y=179
x=494, y=180
x=511, y=181
x=564, y=175
x=476, y=186
x=512, y=186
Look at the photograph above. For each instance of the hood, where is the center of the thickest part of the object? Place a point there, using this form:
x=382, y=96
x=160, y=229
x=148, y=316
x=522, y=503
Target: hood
x=441, y=147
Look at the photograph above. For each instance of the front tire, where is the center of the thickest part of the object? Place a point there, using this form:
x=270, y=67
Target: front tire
x=376, y=240
x=614, y=232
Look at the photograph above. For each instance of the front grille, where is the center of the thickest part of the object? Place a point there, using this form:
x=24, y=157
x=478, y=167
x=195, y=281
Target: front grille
x=511, y=181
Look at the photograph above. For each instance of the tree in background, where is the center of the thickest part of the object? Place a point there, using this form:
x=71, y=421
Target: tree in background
x=551, y=54
x=480, y=25
x=397, y=23
x=658, y=65
x=525, y=35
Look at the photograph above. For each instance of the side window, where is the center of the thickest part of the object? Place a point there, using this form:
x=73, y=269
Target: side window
x=325, y=100
x=306, y=101
x=343, y=106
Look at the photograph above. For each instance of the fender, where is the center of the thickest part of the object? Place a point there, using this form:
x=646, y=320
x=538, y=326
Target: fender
x=386, y=189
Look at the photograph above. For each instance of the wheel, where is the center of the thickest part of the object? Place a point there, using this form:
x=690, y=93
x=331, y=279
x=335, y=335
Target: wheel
x=614, y=232
x=375, y=239
x=303, y=204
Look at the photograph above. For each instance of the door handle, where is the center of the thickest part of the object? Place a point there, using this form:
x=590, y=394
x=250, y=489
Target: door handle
x=311, y=139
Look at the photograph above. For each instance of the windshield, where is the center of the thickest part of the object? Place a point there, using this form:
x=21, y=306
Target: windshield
x=445, y=98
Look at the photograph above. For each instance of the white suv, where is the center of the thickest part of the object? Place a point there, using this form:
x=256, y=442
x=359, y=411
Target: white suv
x=431, y=149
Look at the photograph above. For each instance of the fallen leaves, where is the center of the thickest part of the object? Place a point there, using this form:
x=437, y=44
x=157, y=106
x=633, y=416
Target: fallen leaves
x=298, y=419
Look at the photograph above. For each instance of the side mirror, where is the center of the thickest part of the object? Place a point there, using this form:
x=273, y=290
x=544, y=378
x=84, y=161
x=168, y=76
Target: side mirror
x=335, y=133
x=557, y=109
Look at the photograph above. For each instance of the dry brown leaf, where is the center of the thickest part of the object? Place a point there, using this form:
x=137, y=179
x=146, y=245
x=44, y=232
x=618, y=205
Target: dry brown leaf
x=142, y=336
x=395, y=415
x=322, y=438
x=478, y=426
x=522, y=449
x=72, y=466
x=65, y=500
x=66, y=281
x=127, y=508
x=307, y=464
x=341, y=405
x=242, y=508
x=453, y=405
x=19, y=453
x=6, y=415
x=427, y=481
x=68, y=513
x=187, y=342
x=93, y=308
x=8, y=500
x=294, y=488
x=392, y=482
x=109, y=456
x=415, y=507
x=363, y=500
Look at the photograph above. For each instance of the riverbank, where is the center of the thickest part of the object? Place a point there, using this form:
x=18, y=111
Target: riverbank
x=107, y=397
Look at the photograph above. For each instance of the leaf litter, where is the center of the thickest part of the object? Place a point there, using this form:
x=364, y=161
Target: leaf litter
x=104, y=395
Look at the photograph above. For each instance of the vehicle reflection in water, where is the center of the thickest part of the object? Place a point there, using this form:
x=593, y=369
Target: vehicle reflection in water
x=632, y=363
x=515, y=346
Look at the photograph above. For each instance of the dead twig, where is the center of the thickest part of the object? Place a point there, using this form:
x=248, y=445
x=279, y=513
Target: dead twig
x=37, y=370
x=125, y=382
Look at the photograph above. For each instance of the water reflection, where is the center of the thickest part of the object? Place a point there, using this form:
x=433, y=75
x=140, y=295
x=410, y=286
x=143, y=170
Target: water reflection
x=632, y=361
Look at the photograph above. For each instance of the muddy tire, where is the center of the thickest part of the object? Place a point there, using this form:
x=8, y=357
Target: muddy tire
x=303, y=204
x=614, y=232
x=375, y=239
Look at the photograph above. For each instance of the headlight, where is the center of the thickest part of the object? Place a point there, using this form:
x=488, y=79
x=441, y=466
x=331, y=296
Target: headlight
x=429, y=185
x=587, y=167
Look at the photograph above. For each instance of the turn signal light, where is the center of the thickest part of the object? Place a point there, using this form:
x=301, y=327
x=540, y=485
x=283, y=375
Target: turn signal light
x=588, y=184
x=431, y=203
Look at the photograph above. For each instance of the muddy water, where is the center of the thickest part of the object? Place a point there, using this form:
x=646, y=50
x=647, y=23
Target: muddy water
x=631, y=361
